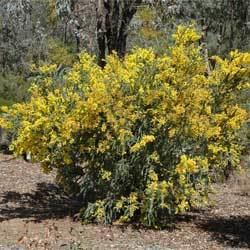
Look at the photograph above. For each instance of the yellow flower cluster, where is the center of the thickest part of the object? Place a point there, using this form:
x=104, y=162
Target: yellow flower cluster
x=47, y=69
x=142, y=143
x=185, y=35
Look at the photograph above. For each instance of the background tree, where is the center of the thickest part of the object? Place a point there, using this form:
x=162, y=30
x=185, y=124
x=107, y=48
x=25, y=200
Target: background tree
x=54, y=31
x=224, y=23
x=113, y=19
x=77, y=23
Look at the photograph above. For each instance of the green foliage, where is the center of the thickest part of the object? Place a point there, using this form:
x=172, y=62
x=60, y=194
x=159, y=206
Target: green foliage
x=4, y=102
x=63, y=7
x=13, y=88
x=58, y=53
x=222, y=32
x=148, y=31
x=141, y=138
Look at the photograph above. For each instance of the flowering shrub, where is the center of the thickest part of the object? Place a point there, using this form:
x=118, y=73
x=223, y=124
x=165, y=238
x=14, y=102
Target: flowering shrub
x=140, y=138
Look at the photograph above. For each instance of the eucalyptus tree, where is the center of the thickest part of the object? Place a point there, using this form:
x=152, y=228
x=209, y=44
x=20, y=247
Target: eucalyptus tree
x=22, y=34
x=15, y=33
x=113, y=19
x=224, y=23
x=78, y=21
x=110, y=23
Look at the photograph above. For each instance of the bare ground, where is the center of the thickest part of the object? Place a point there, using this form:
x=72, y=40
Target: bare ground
x=35, y=214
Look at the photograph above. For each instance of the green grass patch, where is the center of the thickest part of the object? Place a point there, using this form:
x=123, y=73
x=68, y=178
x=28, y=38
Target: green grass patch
x=4, y=102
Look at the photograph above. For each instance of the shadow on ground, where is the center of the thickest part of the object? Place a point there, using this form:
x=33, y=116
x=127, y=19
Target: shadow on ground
x=49, y=202
x=46, y=202
x=233, y=231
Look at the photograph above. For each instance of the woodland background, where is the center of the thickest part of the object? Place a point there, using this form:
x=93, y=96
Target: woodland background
x=48, y=31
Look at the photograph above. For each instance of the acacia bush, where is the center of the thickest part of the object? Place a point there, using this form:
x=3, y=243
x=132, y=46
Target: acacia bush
x=142, y=138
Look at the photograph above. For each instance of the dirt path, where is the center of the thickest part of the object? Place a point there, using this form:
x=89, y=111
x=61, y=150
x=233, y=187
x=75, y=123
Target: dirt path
x=34, y=214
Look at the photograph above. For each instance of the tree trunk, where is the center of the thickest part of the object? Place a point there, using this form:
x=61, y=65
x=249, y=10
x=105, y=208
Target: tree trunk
x=100, y=11
x=113, y=19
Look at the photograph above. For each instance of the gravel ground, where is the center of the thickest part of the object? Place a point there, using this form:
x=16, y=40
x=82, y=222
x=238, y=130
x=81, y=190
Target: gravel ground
x=35, y=214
